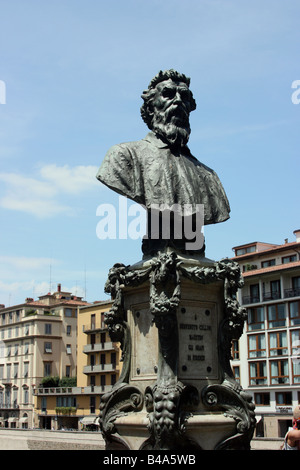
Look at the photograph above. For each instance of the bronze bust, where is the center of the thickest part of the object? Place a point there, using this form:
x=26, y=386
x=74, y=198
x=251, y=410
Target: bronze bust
x=160, y=168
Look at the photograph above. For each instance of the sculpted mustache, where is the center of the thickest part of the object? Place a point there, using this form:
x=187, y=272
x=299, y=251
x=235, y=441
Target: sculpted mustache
x=176, y=110
x=172, y=111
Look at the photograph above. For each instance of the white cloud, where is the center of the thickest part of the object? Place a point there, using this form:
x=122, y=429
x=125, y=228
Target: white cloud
x=41, y=196
x=70, y=180
x=23, y=262
x=14, y=293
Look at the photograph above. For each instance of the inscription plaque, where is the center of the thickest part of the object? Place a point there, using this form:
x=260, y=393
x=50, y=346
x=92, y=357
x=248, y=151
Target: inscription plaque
x=197, y=331
x=145, y=340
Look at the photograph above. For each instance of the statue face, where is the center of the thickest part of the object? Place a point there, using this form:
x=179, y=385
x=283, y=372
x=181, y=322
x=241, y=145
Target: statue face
x=172, y=94
x=171, y=106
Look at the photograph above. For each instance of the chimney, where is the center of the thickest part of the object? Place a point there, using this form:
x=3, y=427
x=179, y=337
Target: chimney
x=297, y=234
x=58, y=287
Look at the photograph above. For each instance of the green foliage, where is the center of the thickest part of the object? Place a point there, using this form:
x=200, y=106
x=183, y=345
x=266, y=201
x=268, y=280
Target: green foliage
x=68, y=382
x=50, y=381
x=65, y=410
x=55, y=381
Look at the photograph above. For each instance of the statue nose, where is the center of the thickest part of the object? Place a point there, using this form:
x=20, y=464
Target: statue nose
x=177, y=98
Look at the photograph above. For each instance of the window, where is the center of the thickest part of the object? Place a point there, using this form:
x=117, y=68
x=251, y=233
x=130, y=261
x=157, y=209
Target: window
x=275, y=291
x=16, y=349
x=278, y=343
x=47, y=348
x=256, y=318
x=92, y=404
x=242, y=251
x=8, y=371
x=16, y=331
x=15, y=398
x=276, y=315
x=296, y=282
x=258, y=373
x=48, y=329
x=47, y=369
x=68, y=371
x=288, y=259
x=295, y=340
x=236, y=373
x=113, y=379
x=69, y=350
x=92, y=380
x=267, y=263
x=67, y=401
x=26, y=369
x=296, y=370
x=235, y=349
x=279, y=372
x=16, y=368
x=256, y=345
x=283, y=398
x=254, y=293
x=294, y=309
x=113, y=359
x=26, y=348
x=1, y=371
x=68, y=312
x=3, y=318
x=262, y=399
x=44, y=404
x=26, y=330
x=69, y=329
x=102, y=360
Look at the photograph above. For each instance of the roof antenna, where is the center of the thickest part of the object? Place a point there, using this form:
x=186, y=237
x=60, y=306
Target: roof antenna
x=50, y=278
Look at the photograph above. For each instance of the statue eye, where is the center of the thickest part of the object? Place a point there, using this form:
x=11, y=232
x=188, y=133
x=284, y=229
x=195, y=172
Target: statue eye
x=169, y=92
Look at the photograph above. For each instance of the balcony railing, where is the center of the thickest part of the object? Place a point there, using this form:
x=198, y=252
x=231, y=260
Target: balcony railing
x=96, y=347
x=271, y=295
x=295, y=292
x=71, y=390
x=250, y=299
x=9, y=406
x=56, y=390
x=93, y=369
x=94, y=326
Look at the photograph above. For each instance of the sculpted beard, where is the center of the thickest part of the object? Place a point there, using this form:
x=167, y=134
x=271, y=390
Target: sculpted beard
x=172, y=125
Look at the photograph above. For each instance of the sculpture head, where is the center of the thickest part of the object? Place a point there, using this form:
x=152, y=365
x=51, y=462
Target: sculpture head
x=167, y=106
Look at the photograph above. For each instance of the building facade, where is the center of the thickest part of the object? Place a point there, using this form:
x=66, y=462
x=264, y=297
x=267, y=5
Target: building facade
x=37, y=340
x=98, y=369
x=266, y=360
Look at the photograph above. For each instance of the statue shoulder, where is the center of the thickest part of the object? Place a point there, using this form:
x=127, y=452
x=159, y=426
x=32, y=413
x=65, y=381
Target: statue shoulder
x=126, y=147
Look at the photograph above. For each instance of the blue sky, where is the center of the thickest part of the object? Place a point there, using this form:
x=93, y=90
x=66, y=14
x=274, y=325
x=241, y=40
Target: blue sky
x=74, y=71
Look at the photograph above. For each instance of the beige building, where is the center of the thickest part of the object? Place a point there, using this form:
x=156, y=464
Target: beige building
x=98, y=368
x=266, y=360
x=38, y=339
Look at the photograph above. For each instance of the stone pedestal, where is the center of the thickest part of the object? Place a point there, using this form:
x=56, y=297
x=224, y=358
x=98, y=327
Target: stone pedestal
x=175, y=318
